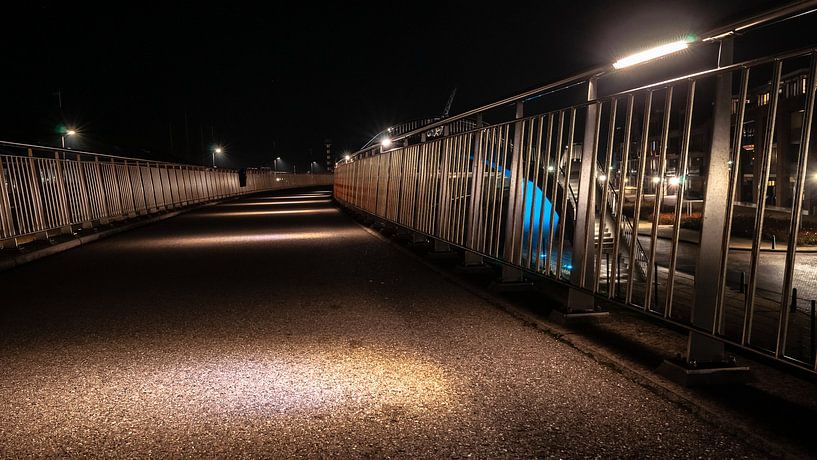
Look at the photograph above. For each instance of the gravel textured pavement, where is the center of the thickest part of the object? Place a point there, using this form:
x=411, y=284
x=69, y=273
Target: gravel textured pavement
x=275, y=326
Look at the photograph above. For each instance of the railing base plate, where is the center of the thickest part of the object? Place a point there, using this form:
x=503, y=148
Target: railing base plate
x=511, y=286
x=474, y=268
x=720, y=374
x=567, y=318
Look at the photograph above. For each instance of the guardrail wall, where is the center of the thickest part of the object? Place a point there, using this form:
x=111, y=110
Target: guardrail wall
x=45, y=191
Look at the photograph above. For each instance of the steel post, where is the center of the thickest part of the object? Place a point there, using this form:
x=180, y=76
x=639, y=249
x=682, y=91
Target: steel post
x=702, y=348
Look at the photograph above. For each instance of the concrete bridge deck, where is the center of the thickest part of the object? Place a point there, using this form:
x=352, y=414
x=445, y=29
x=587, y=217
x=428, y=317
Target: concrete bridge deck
x=275, y=326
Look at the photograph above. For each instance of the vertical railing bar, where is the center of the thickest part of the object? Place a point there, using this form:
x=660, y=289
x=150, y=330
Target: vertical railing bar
x=679, y=197
x=659, y=197
x=16, y=195
x=797, y=209
x=464, y=189
x=504, y=141
x=605, y=185
x=768, y=143
x=557, y=167
x=545, y=179
x=642, y=166
x=624, y=171
x=566, y=191
x=475, y=200
x=535, y=172
x=494, y=171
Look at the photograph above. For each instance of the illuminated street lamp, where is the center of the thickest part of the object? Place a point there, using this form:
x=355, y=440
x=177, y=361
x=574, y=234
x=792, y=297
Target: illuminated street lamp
x=347, y=158
x=69, y=132
x=386, y=142
x=275, y=164
x=216, y=150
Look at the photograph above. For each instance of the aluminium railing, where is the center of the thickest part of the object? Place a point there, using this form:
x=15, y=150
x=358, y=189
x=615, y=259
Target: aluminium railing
x=46, y=190
x=524, y=221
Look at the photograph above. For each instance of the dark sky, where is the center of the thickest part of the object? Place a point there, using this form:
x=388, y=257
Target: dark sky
x=277, y=79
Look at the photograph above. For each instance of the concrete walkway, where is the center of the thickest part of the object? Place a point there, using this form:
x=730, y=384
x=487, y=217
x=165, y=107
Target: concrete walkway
x=275, y=326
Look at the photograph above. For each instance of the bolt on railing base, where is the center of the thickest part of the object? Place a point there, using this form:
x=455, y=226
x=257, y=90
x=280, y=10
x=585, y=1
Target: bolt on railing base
x=687, y=374
x=577, y=317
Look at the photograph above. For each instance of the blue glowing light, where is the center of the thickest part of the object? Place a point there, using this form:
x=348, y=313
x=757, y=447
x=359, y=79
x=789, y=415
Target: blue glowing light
x=535, y=199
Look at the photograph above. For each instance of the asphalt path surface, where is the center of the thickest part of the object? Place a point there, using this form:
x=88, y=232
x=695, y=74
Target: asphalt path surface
x=276, y=326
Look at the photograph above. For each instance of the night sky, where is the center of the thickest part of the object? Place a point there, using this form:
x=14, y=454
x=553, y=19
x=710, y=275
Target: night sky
x=168, y=81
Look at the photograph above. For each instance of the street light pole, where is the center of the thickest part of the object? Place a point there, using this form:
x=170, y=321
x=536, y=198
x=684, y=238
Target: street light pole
x=70, y=132
x=215, y=151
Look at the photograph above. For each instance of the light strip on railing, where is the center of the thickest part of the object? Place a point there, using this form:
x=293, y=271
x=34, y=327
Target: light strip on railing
x=652, y=53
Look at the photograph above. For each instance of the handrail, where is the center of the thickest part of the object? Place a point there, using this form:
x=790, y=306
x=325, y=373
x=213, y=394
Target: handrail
x=787, y=11
x=86, y=152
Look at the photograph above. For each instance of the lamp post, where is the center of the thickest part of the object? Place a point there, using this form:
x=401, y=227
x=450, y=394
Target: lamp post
x=70, y=132
x=215, y=151
x=275, y=164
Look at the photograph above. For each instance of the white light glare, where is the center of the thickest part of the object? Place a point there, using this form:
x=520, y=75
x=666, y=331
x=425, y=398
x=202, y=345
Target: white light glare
x=347, y=157
x=674, y=181
x=386, y=142
x=650, y=54
x=656, y=179
x=602, y=178
x=70, y=132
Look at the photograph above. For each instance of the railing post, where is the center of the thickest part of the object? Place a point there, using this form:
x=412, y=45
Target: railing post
x=474, y=223
x=582, y=272
x=36, y=198
x=115, y=186
x=101, y=195
x=84, y=194
x=513, y=216
x=6, y=223
x=444, y=196
x=702, y=348
x=62, y=195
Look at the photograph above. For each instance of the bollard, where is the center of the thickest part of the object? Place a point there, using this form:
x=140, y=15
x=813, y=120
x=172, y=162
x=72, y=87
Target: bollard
x=774, y=242
x=793, y=306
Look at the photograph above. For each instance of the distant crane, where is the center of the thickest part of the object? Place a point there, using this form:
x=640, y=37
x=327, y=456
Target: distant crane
x=450, y=101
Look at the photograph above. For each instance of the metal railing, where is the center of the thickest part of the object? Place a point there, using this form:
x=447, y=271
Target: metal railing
x=45, y=190
x=501, y=191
